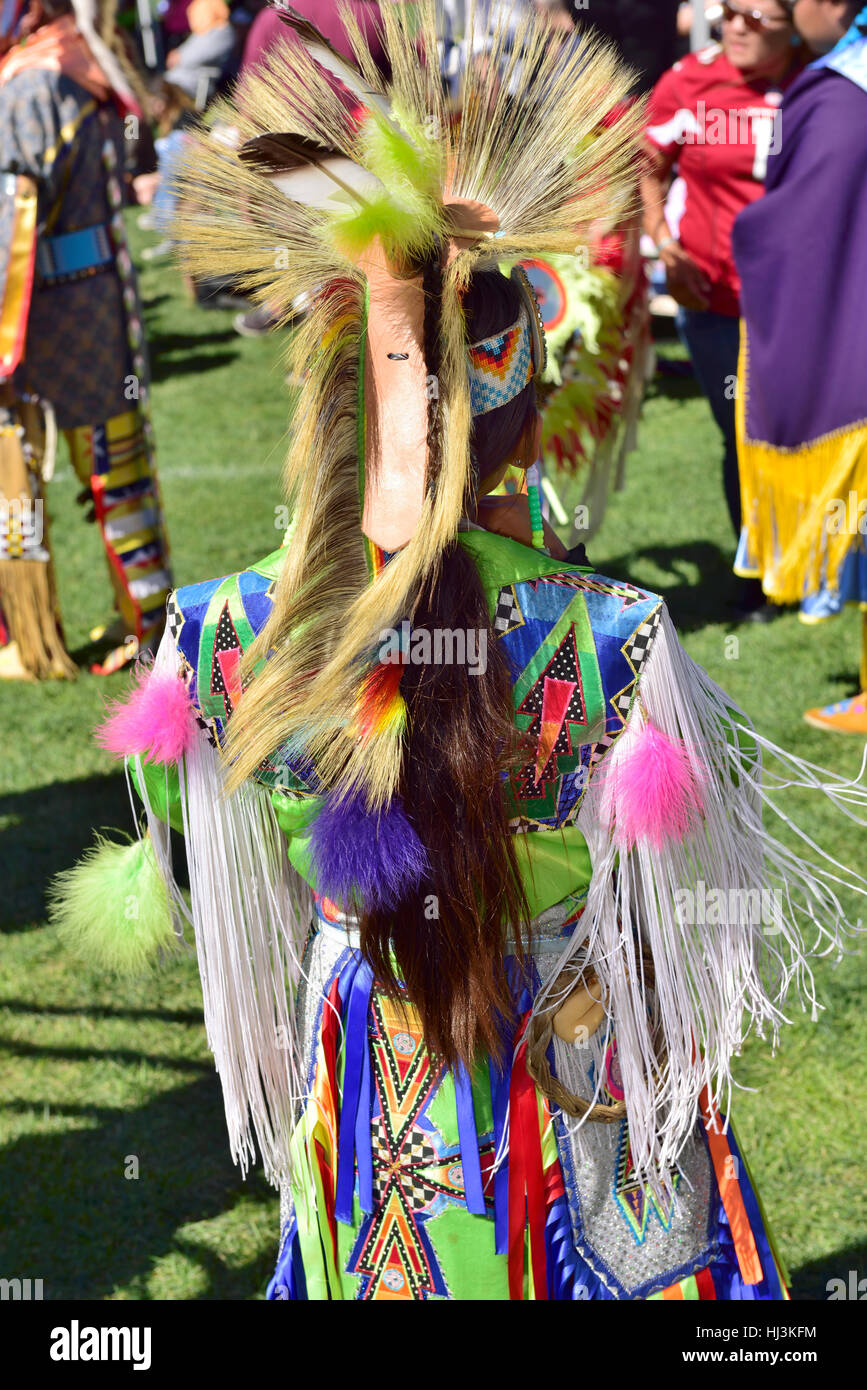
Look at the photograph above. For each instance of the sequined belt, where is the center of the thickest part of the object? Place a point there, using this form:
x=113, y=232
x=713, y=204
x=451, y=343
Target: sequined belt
x=550, y=931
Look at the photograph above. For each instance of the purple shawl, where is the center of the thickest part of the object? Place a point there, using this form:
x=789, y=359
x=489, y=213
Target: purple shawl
x=801, y=252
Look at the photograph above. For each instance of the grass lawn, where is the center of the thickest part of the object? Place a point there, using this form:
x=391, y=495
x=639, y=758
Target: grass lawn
x=115, y=1180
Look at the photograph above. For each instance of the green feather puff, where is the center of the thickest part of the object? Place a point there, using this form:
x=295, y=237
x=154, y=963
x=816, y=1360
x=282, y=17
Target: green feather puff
x=411, y=161
x=406, y=215
x=112, y=910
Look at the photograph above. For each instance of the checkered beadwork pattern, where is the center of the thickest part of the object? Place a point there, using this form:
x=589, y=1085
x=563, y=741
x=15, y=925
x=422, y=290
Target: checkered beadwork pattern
x=174, y=616
x=636, y=650
x=508, y=615
x=501, y=366
x=639, y=644
x=416, y=1153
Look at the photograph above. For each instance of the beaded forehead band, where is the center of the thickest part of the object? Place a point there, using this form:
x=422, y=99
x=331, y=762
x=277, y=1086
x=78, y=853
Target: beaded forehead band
x=502, y=365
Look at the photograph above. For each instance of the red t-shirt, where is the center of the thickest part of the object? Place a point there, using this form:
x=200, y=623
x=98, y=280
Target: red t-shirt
x=719, y=129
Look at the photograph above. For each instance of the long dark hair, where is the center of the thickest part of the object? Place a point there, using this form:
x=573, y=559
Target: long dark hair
x=447, y=942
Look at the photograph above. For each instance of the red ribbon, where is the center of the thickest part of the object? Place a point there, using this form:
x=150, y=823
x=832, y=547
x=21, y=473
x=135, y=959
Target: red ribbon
x=526, y=1180
x=330, y=1035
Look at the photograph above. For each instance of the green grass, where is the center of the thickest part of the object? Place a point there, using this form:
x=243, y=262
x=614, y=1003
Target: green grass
x=96, y=1074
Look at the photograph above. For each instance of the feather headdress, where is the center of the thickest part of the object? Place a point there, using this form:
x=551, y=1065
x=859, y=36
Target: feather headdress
x=317, y=169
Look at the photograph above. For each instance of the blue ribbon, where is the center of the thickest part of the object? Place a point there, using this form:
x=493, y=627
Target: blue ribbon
x=500, y=1082
x=354, y=1132
x=468, y=1138
x=363, y=1144
x=289, y=1282
x=570, y=1278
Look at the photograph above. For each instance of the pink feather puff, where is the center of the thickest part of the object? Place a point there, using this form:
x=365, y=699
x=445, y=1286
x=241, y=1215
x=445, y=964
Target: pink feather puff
x=653, y=792
x=157, y=719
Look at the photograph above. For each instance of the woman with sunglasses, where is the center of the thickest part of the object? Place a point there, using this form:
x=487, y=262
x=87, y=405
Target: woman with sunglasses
x=712, y=116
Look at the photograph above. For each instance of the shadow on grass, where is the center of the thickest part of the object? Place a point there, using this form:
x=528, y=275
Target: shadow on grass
x=101, y=1011
x=154, y=301
x=850, y=676
x=185, y=342
x=672, y=385
x=175, y=354
x=89, y=653
x=86, y=1229
x=693, y=603
x=811, y=1281
x=124, y=1056
x=191, y=363
x=48, y=829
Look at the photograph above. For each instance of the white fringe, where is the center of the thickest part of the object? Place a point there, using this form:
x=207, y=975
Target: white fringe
x=715, y=981
x=165, y=662
x=251, y=913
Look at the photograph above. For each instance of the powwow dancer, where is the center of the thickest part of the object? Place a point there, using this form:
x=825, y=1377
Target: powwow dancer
x=453, y=994
x=802, y=416
x=72, y=351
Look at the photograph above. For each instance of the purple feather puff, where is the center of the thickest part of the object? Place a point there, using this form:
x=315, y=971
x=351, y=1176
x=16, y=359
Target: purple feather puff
x=363, y=857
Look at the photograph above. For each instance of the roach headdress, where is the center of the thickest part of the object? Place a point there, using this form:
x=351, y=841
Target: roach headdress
x=320, y=174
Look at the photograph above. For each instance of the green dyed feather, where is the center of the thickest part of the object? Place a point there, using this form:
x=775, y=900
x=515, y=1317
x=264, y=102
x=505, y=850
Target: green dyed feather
x=407, y=227
x=406, y=214
x=411, y=167
x=112, y=910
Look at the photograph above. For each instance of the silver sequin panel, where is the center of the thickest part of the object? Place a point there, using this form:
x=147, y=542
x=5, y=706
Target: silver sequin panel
x=625, y=1259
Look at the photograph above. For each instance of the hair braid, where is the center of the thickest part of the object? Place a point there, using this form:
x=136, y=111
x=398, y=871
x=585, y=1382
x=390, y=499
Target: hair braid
x=432, y=284
x=447, y=940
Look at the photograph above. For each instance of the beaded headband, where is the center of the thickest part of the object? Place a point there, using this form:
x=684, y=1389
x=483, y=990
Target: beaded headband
x=502, y=365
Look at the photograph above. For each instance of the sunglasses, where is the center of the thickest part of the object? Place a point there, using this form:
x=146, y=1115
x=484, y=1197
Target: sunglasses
x=753, y=19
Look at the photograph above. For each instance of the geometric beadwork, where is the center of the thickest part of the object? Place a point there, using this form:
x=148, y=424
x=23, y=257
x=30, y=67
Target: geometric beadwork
x=501, y=366
x=576, y=644
x=174, y=617
x=635, y=1202
x=508, y=614
x=636, y=651
x=555, y=701
x=639, y=644
x=393, y=1255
